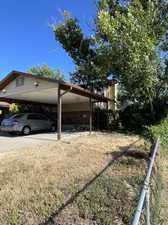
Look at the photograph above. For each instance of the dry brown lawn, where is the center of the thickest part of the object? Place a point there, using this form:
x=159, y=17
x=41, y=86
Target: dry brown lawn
x=35, y=182
x=164, y=193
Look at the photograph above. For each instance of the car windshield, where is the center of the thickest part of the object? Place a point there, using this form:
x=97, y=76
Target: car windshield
x=15, y=116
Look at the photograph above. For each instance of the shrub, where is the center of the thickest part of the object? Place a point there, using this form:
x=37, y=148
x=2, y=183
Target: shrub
x=159, y=131
x=136, y=116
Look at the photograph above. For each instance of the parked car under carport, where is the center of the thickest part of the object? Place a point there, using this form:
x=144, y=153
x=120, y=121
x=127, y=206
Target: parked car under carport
x=73, y=104
x=25, y=123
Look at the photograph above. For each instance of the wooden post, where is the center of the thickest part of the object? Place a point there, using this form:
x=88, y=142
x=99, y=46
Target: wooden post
x=59, y=114
x=107, y=106
x=90, y=119
x=98, y=117
x=107, y=116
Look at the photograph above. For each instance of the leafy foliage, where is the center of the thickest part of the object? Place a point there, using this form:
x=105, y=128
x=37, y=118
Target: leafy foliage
x=160, y=131
x=134, y=36
x=45, y=71
x=126, y=45
x=14, y=108
x=136, y=116
x=84, y=52
x=130, y=45
x=18, y=108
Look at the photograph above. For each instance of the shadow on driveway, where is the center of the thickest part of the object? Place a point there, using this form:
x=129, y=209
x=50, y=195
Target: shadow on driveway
x=5, y=134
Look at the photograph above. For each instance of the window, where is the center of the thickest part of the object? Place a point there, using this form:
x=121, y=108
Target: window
x=19, y=81
x=33, y=117
x=16, y=116
x=42, y=117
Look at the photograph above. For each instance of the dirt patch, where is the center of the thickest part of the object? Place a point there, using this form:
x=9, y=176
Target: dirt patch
x=37, y=182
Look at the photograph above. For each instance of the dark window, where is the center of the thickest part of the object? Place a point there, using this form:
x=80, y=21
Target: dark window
x=42, y=117
x=19, y=81
x=33, y=117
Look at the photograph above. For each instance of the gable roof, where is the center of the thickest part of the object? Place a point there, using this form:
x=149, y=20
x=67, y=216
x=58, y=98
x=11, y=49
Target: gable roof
x=63, y=85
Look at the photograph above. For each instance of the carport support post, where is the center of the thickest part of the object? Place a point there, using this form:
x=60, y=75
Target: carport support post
x=90, y=118
x=59, y=116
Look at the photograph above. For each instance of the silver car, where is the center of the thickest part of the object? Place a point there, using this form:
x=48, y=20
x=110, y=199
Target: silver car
x=25, y=123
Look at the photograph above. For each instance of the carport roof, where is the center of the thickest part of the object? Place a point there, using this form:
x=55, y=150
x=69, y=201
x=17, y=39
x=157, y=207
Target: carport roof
x=63, y=86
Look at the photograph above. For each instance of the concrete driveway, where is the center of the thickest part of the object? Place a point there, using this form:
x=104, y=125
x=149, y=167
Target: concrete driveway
x=12, y=142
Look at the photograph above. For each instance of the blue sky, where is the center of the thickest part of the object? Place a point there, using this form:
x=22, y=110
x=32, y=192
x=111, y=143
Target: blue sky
x=26, y=38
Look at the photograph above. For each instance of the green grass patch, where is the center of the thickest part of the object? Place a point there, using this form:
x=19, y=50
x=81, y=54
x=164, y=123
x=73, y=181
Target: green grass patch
x=109, y=200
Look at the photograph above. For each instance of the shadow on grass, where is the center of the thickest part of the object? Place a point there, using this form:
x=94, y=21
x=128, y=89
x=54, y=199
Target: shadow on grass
x=131, y=158
x=130, y=154
x=116, y=156
x=137, y=155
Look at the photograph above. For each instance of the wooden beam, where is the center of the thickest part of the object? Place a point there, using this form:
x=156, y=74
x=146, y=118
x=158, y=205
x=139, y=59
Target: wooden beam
x=90, y=117
x=59, y=114
x=10, y=100
x=65, y=92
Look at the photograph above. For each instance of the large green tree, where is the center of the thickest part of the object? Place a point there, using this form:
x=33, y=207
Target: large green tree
x=82, y=50
x=45, y=71
x=128, y=45
x=134, y=37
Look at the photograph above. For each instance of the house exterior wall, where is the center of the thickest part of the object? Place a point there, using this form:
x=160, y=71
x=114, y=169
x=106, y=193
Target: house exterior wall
x=75, y=107
x=75, y=115
x=78, y=113
x=28, y=86
x=111, y=93
x=78, y=118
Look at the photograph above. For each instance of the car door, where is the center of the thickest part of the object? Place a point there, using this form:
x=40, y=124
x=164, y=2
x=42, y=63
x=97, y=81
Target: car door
x=44, y=122
x=34, y=121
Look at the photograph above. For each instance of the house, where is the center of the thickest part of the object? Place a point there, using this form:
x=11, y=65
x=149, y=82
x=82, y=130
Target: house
x=4, y=108
x=4, y=105
x=67, y=103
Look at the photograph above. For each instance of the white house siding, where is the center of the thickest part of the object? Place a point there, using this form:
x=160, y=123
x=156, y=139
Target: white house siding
x=29, y=86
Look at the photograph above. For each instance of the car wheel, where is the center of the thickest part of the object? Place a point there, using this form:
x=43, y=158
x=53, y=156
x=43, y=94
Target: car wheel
x=53, y=128
x=26, y=130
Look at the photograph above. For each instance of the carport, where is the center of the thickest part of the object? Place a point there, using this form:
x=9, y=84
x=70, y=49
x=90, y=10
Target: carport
x=19, y=87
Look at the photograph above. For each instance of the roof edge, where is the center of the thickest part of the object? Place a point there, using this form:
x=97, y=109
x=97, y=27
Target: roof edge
x=64, y=85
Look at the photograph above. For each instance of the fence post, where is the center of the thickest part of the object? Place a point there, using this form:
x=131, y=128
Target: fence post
x=147, y=203
x=145, y=188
